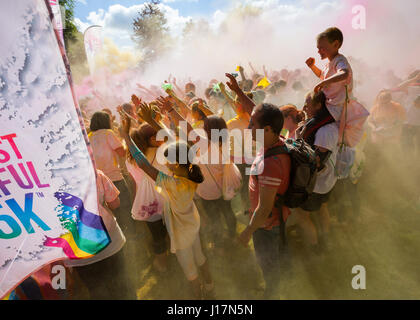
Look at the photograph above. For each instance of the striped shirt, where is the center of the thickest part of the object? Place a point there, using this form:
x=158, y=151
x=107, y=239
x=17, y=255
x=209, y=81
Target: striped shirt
x=272, y=172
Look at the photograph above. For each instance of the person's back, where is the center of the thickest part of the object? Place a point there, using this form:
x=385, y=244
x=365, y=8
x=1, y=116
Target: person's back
x=148, y=203
x=104, y=142
x=336, y=92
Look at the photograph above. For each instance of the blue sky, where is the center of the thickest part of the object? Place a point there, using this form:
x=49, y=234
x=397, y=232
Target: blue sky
x=186, y=7
x=116, y=16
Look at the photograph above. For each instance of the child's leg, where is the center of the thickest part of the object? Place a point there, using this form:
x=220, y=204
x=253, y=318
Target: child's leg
x=201, y=262
x=324, y=215
x=158, y=231
x=186, y=260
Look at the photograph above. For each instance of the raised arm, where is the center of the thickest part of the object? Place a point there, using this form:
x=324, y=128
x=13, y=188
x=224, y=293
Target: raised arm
x=144, y=111
x=310, y=62
x=176, y=87
x=179, y=102
x=175, y=117
x=339, y=76
x=403, y=85
x=227, y=96
x=138, y=156
x=148, y=91
x=245, y=101
x=242, y=72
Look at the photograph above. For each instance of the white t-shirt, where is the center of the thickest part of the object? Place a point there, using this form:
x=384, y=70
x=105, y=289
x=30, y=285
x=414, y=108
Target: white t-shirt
x=327, y=137
x=107, y=192
x=148, y=203
x=336, y=92
x=211, y=187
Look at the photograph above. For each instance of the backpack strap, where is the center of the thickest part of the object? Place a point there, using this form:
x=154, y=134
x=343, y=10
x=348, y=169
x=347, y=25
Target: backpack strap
x=275, y=151
x=312, y=129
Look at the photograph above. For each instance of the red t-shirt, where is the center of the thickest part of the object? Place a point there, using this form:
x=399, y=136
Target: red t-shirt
x=272, y=172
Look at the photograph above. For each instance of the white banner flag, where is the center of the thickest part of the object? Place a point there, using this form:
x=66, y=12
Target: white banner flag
x=48, y=200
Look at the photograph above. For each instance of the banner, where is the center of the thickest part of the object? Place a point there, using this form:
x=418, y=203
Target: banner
x=48, y=200
x=57, y=21
x=93, y=45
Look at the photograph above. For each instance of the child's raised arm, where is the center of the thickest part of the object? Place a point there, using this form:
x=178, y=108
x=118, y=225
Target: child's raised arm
x=339, y=76
x=310, y=62
x=138, y=156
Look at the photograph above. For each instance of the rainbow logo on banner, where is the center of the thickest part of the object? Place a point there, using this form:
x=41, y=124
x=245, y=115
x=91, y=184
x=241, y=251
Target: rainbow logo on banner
x=86, y=234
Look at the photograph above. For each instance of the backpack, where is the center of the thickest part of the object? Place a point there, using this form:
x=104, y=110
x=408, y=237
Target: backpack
x=302, y=174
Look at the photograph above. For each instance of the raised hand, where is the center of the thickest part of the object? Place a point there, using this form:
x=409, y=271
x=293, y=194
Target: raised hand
x=265, y=71
x=145, y=112
x=310, y=62
x=232, y=83
x=136, y=100
x=125, y=124
x=164, y=104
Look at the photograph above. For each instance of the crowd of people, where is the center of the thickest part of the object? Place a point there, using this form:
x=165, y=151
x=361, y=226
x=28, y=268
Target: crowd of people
x=187, y=205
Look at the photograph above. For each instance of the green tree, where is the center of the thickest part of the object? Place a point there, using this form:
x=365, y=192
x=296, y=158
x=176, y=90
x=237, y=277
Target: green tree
x=70, y=30
x=73, y=41
x=151, y=33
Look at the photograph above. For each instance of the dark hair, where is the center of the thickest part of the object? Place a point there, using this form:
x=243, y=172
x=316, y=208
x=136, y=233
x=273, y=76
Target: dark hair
x=279, y=84
x=320, y=98
x=272, y=90
x=100, y=120
x=332, y=34
x=141, y=138
x=215, y=122
x=190, y=87
x=287, y=109
x=194, y=171
x=270, y=116
x=297, y=85
x=195, y=108
x=127, y=108
x=384, y=95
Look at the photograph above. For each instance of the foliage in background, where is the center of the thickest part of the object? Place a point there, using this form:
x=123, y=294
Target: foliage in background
x=151, y=33
x=73, y=40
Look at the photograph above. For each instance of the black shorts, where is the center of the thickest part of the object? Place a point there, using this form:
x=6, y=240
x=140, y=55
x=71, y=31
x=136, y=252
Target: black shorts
x=314, y=201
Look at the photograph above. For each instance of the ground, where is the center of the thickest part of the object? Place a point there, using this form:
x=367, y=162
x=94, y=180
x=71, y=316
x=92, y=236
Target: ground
x=385, y=241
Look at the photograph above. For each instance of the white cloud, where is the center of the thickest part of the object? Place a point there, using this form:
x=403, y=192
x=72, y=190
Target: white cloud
x=81, y=26
x=272, y=31
x=117, y=21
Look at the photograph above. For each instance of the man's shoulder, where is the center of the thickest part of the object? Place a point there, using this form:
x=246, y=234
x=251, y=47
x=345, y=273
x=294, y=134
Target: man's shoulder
x=278, y=161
